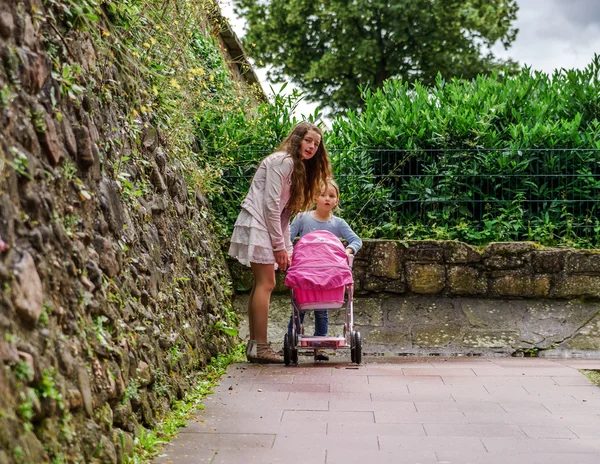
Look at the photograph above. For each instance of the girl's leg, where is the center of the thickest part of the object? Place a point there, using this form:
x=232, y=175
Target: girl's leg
x=321, y=323
x=250, y=316
x=260, y=297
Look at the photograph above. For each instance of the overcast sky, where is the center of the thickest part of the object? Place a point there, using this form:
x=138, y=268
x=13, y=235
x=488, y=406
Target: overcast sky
x=553, y=34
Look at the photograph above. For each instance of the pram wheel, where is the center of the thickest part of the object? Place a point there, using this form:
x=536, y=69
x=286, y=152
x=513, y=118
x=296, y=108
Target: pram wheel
x=356, y=348
x=287, y=349
x=290, y=353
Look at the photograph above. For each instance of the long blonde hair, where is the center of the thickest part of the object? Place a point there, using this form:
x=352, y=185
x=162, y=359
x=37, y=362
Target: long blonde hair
x=307, y=175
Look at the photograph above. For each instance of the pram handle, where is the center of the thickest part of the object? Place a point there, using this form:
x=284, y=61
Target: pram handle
x=351, y=260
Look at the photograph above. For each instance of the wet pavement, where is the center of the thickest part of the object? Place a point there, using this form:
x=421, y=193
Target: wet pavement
x=460, y=410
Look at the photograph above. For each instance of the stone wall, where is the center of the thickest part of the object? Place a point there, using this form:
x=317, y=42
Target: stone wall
x=447, y=298
x=110, y=298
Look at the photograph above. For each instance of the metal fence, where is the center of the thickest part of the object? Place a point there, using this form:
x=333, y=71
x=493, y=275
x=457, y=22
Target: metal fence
x=551, y=190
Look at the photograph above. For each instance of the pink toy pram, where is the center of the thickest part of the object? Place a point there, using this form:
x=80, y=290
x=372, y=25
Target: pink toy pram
x=320, y=279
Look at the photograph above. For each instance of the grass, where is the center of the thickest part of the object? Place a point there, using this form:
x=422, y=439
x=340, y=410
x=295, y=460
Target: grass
x=150, y=442
x=593, y=375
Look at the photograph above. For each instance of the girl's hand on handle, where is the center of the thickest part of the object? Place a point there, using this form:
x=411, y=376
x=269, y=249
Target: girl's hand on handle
x=282, y=259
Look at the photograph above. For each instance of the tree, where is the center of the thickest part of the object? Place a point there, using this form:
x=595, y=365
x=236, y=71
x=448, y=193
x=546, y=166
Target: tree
x=330, y=48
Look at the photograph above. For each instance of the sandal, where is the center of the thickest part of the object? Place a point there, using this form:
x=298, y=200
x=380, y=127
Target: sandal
x=320, y=355
x=250, y=350
x=265, y=354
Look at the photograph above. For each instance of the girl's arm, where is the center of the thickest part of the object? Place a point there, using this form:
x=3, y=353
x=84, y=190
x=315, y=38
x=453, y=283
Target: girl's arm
x=296, y=226
x=354, y=241
x=277, y=174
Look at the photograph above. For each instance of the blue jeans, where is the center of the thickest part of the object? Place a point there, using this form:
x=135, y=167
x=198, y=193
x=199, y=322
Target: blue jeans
x=321, y=322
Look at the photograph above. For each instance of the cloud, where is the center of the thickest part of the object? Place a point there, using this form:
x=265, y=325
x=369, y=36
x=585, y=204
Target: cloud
x=579, y=12
x=555, y=34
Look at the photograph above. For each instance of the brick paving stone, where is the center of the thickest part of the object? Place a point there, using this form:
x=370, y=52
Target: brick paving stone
x=474, y=430
x=386, y=381
x=579, y=419
x=349, y=405
x=244, y=403
x=392, y=417
x=289, y=387
x=357, y=379
x=400, y=410
x=185, y=452
x=587, y=394
x=328, y=442
x=349, y=387
x=254, y=426
x=586, y=431
x=272, y=456
x=527, y=418
x=528, y=372
x=328, y=416
x=496, y=381
x=560, y=393
x=239, y=414
x=467, y=457
x=450, y=371
x=225, y=440
x=329, y=396
x=342, y=456
x=357, y=428
x=542, y=445
x=458, y=406
x=577, y=380
x=436, y=444
x=412, y=396
x=572, y=408
x=451, y=390
x=541, y=431
x=521, y=407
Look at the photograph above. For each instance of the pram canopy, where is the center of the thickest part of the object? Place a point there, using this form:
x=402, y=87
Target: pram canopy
x=319, y=262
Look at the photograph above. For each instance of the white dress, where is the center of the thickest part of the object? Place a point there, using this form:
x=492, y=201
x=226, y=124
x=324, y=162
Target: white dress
x=251, y=242
x=263, y=224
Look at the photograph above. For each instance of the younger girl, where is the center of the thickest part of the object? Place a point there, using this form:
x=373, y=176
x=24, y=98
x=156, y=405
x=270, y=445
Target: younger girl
x=285, y=182
x=322, y=218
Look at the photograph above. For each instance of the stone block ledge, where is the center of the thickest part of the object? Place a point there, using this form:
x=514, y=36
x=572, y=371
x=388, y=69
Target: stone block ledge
x=451, y=298
x=455, y=269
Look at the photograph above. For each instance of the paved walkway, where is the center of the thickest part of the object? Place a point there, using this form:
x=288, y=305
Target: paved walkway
x=398, y=410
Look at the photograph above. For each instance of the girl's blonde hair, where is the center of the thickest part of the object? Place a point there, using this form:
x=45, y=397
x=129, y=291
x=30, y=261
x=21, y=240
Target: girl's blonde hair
x=307, y=175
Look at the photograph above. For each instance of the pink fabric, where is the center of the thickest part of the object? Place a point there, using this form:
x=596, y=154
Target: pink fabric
x=319, y=262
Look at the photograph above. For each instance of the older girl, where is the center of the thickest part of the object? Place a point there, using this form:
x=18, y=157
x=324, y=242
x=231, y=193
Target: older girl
x=285, y=183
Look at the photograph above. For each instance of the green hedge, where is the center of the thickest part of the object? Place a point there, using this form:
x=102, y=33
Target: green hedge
x=492, y=159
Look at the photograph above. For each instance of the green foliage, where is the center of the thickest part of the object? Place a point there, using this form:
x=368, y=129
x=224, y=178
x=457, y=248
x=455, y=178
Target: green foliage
x=149, y=442
x=491, y=159
x=593, y=375
x=25, y=409
x=131, y=391
x=23, y=371
x=47, y=388
x=19, y=163
x=330, y=48
x=164, y=66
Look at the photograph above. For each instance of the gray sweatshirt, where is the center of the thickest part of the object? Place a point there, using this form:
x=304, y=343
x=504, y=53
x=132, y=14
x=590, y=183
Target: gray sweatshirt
x=304, y=223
